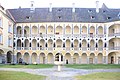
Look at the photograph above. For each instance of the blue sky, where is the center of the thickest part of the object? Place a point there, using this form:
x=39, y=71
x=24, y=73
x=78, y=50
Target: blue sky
x=59, y=3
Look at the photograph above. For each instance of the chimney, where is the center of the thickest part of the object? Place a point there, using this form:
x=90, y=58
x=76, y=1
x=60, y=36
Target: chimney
x=97, y=6
x=73, y=7
x=50, y=7
x=32, y=8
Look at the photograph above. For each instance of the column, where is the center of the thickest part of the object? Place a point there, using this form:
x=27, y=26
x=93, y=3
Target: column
x=95, y=59
x=106, y=59
x=64, y=60
x=87, y=59
x=80, y=29
x=79, y=59
x=71, y=59
x=15, y=59
x=30, y=60
x=45, y=59
x=38, y=60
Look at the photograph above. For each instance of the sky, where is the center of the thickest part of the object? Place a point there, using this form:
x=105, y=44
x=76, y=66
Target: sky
x=11, y=4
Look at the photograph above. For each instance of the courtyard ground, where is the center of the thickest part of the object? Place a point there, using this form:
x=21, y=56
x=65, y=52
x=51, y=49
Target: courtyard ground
x=65, y=74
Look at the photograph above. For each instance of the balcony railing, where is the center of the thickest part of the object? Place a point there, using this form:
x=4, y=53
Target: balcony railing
x=66, y=48
x=64, y=35
x=114, y=48
x=114, y=34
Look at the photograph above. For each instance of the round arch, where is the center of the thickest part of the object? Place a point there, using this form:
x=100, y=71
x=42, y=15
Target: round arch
x=50, y=58
x=68, y=58
x=26, y=58
x=84, y=58
x=76, y=58
x=42, y=58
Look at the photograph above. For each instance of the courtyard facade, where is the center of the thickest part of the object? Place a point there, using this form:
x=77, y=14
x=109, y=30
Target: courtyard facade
x=79, y=35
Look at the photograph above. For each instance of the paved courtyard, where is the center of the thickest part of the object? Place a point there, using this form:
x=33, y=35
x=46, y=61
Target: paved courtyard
x=65, y=74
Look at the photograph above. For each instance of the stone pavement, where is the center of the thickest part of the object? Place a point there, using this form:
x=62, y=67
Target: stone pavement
x=65, y=74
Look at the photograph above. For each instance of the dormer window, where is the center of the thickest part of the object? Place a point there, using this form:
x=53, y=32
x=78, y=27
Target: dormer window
x=104, y=11
x=27, y=17
x=90, y=11
x=59, y=17
x=108, y=17
x=59, y=10
x=92, y=17
x=119, y=15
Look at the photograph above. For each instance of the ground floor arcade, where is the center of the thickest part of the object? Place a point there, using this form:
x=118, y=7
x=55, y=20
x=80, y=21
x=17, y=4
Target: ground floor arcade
x=68, y=57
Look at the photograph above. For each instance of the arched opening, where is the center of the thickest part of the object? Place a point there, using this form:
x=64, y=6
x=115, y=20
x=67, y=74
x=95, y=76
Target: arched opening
x=92, y=58
x=100, y=30
x=68, y=58
x=84, y=44
x=34, y=30
x=76, y=43
x=68, y=44
x=76, y=30
x=100, y=45
x=92, y=31
x=50, y=58
x=26, y=58
x=19, y=30
x=114, y=43
x=42, y=30
x=34, y=44
x=26, y=31
x=50, y=44
x=2, y=60
x=76, y=58
x=112, y=58
x=100, y=58
x=9, y=57
x=84, y=30
x=113, y=29
x=59, y=30
x=26, y=42
x=34, y=58
x=84, y=58
x=19, y=58
x=50, y=30
x=92, y=45
x=19, y=44
x=59, y=43
x=42, y=44
x=42, y=58
x=68, y=30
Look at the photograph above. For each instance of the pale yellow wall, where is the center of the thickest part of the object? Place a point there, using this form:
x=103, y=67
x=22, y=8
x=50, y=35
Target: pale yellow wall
x=5, y=23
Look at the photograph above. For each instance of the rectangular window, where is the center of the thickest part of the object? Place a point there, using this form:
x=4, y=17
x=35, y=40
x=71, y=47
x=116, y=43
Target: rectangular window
x=0, y=22
x=9, y=42
x=10, y=29
x=1, y=39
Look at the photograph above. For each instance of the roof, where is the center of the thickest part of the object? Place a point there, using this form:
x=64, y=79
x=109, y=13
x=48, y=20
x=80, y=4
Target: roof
x=105, y=14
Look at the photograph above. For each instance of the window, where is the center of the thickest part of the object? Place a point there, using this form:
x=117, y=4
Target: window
x=1, y=22
x=1, y=37
x=10, y=29
x=9, y=42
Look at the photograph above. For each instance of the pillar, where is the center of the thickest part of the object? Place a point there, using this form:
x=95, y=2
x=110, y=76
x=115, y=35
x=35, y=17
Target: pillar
x=71, y=59
x=96, y=59
x=38, y=60
x=87, y=59
x=45, y=59
x=79, y=59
